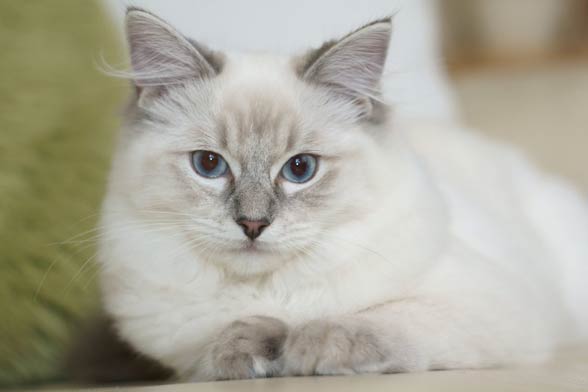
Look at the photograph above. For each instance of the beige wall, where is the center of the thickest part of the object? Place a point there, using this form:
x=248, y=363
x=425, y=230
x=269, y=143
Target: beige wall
x=513, y=28
x=520, y=68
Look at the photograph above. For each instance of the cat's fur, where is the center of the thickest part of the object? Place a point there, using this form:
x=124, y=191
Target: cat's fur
x=414, y=247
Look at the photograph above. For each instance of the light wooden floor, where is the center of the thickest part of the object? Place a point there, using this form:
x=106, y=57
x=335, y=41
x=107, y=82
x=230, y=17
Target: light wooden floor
x=568, y=373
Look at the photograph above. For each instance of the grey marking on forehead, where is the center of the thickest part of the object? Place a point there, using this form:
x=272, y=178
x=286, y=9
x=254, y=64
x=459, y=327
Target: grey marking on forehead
x=293, y=137
x=259, y=126
x=223, y=140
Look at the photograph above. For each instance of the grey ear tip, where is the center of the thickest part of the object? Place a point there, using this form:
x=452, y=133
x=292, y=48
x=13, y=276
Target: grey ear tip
x=385, y=23
x=141, y=15
x=386, y=20
x=133, y=11
x=132, y=8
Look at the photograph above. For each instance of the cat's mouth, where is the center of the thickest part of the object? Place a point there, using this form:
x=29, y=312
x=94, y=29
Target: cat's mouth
x=248, y=247
x=251, y=247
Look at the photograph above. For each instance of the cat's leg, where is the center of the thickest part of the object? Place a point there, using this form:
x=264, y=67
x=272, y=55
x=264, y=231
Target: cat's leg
x=247, y=348
x=329, y=347
x=412, y=335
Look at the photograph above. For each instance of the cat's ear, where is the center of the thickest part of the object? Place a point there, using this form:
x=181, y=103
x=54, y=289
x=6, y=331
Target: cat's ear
x=353, y=65
x=161, y=56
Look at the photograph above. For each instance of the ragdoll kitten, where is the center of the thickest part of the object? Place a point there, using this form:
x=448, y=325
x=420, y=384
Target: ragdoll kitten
x=268, y=216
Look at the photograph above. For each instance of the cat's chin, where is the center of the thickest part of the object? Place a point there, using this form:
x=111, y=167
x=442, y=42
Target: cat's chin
x=250, y=258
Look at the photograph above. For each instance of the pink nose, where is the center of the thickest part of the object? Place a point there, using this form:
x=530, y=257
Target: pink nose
x=253, y=228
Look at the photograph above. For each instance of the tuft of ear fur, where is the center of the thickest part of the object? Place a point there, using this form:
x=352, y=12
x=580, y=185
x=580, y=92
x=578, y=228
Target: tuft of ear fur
x=161, y=56
x=352, y=66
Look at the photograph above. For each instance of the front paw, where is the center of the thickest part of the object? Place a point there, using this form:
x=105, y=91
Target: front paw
x=247, y=348
x=328, y=348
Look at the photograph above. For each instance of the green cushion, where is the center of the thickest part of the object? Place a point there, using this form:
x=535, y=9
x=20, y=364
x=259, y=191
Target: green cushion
x=58, y=116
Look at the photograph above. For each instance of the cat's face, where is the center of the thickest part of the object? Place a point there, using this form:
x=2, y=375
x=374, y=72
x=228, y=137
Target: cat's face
x=253, y=161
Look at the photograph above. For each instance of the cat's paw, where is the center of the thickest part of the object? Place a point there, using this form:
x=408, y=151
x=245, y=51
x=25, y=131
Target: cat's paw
x=248, y=348
x=328, y=348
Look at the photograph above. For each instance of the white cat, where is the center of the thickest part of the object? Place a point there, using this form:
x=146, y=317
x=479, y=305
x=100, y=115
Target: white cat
x=269, y=215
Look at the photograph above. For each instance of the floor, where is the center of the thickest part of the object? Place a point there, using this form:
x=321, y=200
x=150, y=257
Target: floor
x=567, y=373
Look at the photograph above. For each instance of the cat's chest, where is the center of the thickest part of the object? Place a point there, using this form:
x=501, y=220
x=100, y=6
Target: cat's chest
x=294, y=298
x=294, y=301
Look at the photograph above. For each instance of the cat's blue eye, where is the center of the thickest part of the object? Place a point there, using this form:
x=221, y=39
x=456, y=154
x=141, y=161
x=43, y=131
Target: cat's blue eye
x=209, y=164
x=300, y=168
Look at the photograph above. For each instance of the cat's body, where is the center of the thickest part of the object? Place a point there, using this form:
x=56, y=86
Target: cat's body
x=412, y=247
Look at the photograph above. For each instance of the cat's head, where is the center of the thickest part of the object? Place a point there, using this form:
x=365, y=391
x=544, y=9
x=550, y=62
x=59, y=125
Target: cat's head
x=253, y=160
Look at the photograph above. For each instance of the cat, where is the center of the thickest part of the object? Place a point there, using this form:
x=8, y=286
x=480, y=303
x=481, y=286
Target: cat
x=269, y=216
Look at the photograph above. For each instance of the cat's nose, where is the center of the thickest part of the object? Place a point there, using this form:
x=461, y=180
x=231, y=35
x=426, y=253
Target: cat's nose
x=253, y=228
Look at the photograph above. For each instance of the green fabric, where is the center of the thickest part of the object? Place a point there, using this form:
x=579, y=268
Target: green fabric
x=58, y=116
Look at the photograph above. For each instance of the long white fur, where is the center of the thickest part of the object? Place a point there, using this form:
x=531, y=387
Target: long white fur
x=468, y=256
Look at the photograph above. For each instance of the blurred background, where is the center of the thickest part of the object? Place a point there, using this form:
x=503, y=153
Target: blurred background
x=516, y=70
x=520, y=69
